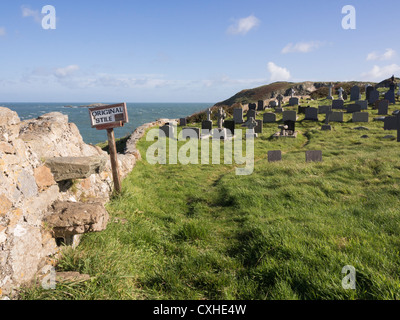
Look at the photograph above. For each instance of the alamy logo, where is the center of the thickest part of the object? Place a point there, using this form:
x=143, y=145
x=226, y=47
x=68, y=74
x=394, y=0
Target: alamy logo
x=349, y=281
x=349, y=20
x=49, y=20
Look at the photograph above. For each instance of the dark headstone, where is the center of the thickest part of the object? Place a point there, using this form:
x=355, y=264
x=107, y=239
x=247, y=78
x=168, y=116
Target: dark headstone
x=252, y=106
x=302, y=110
x=351, y=108
x=230, y=125
x=336, y=117
x=390, y=95
x=251, y=114
x=373, y=96
x=390, y=123
x=345, y=96
x=355, y=93
x=182, y=122
x=168, y=131
x=269, y=117
x=206, y=125
x=360, y=117
x=368, y=92
x=293, y=101
x=383, y=107
x=311, y=114
x=324, y=109
x=274, y=156
x=260, y=105
x=314, y=156
x=337, y=104
x=259, y=127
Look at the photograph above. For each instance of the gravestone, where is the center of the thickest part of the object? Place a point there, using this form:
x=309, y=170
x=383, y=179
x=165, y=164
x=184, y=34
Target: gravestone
x=251, y=124
x=251, y=114
x=355, y=93
x=390, y=123
x=191, y=133
x=273, y=104
x=373, y=96
x=337, y=104
x=274, y=156
x=289, y=115
x=368, y=92
x=269, y=117
x=314, y=156
x=238, y=115
x=252, y=106
x=259, y=127
x=383, y=107
x=206, y=125
x=260, y=105
x=280, y=99
x=329, y=97
x=360, y=117
x=168, y=131
x=302, y=110
x=353, y=108
x=345, y=96
x=311, y=114
x=324, y=109
x=336, y=117
x=182, y=122
x=230, y=126
x=363, y=104
x=221, y=117
x=293, y=101
x=390, y=96
x=278, y=110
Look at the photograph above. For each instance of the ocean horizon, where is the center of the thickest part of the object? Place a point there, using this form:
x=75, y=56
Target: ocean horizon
x=139, y=113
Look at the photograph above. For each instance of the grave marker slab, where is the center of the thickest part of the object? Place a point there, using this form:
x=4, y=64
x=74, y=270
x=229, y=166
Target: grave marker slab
x=260, y=105
x=274, y=156
x=355, y=93
x=336, y=117
x=238, y=115
x=293, y=101
x=259, y=127
x=302, y=110
x=337, y=104
x=168, y=131
x=289, y=115
x=230, y=126
x=324, y=109
x=383, y=107
x=390, y=123
x=373, y=96
x=311, y=114
x=390, y=95
x=251, y=114
x=269, y=117
x=360, y=117
x=351, y=108
x=314, y=156
x=182, y=122
x=252, y=106
x=206, y=125
x=363, y=104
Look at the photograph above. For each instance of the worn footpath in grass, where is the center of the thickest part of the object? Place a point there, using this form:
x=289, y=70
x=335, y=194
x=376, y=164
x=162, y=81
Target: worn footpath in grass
x=284, y=232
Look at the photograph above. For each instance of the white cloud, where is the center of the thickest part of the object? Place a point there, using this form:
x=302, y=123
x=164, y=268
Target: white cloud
x=65, y=72
x=2, y=31
x=389, y=54
x=35, y=14
x=244, y=25
x=302, y=47
x=278, y=73
x=380, y=73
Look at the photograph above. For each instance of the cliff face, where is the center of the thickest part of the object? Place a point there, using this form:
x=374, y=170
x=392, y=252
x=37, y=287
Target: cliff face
x=46, y=170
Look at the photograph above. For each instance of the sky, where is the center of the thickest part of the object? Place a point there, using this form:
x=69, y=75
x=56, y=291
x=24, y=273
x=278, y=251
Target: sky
x=189, y=51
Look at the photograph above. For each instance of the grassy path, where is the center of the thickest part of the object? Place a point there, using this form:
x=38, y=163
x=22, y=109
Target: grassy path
x=284, y=232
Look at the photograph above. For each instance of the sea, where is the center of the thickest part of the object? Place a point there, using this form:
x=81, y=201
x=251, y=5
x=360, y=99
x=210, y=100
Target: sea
x=139, y=113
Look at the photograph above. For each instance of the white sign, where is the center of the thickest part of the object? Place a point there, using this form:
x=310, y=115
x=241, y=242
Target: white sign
x=109, y=116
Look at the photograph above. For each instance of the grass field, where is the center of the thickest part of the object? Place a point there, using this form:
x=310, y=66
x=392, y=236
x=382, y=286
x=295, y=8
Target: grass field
x=284, y=232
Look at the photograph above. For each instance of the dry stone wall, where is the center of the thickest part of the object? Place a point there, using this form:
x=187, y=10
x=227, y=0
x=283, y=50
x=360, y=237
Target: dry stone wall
x=35, y=190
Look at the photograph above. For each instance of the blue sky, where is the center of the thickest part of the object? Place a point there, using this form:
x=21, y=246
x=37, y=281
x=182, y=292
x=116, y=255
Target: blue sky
x=188, y=51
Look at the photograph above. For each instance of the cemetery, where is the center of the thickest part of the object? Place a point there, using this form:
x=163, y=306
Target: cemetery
x=324, y=194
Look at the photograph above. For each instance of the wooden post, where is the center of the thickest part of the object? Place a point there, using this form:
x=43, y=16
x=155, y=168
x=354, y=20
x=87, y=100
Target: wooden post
x=114, y=160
